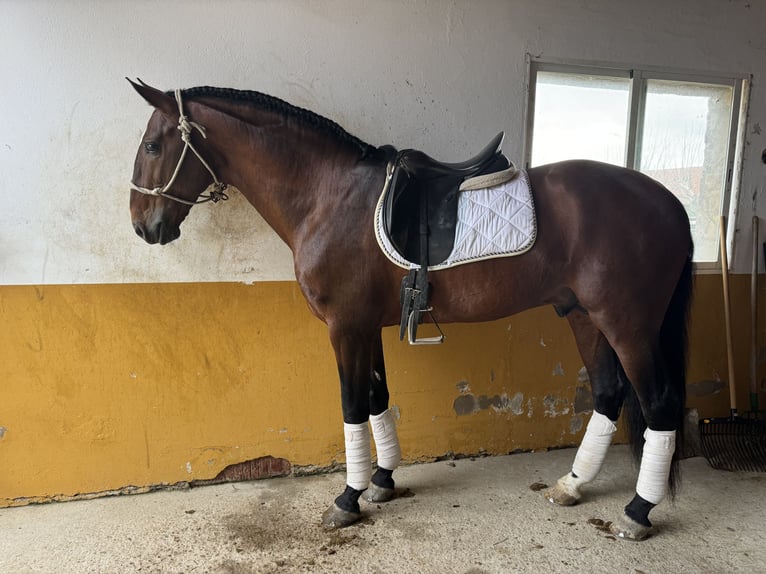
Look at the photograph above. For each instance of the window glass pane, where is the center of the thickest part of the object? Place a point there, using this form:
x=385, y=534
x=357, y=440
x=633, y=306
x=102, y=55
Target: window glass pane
x=580, y=116
x=685, y=145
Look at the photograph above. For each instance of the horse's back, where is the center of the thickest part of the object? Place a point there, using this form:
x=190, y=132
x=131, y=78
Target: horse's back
x=589, y=201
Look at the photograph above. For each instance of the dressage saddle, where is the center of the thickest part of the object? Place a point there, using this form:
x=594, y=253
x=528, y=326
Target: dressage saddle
x=420, y=218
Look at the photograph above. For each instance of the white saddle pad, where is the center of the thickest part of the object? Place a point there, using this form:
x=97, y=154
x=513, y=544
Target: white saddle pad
x=492, y=222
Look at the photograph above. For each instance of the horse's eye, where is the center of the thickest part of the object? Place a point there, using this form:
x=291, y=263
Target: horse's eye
x=152, y=147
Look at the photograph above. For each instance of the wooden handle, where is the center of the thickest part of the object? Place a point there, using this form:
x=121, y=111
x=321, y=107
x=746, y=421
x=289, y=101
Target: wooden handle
x=754, y=312
x=727, y=317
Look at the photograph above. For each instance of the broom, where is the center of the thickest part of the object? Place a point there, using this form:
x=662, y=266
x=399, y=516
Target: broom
x=733, y=443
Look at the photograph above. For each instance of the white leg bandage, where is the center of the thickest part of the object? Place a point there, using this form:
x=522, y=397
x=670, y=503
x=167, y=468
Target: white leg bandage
x=386, y=440
x=659, y=447
x=358, y=458
x=590, y=456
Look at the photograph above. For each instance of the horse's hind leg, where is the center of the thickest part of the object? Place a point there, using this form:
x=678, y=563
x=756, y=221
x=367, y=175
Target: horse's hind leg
x=608, y=390
x=389, y=453
x=662, y=404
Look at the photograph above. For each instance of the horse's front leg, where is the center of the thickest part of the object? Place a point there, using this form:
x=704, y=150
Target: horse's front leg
x=363, y=391
x=389, y=453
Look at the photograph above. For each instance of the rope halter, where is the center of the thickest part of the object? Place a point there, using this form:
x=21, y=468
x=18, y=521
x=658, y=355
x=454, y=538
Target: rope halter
x=185, y=126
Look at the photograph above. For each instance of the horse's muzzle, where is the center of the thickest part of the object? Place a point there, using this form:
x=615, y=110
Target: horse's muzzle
x=160, y=233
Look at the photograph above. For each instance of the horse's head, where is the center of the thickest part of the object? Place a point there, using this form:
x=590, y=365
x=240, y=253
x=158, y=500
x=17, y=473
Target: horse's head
x=165, y=185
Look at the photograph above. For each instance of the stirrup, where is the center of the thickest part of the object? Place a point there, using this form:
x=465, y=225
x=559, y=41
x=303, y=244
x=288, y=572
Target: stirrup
x=412, y=323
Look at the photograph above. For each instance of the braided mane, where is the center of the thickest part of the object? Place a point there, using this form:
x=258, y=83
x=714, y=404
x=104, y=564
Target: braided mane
x=271, y=103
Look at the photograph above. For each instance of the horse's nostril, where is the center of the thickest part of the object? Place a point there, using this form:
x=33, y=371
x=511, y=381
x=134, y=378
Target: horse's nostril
x=140, y=230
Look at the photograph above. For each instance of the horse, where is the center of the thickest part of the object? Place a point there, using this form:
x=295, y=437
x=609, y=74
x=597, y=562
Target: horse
x=612, y=254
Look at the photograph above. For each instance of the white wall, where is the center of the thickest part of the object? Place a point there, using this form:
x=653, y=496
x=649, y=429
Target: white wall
x=440, y=75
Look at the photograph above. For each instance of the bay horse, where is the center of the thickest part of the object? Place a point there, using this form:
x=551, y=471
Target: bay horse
x=613, y=254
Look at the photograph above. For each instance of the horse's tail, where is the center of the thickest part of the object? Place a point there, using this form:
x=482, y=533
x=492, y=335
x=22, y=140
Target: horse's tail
x=674, y=339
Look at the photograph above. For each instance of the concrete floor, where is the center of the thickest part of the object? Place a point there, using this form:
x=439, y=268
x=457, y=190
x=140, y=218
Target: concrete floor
x=464, y=517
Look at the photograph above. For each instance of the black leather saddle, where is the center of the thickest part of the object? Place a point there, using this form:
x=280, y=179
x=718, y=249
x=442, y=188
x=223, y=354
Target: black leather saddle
x=420, y=217
x=423, y=192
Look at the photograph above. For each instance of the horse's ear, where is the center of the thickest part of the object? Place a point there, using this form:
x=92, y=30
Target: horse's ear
x=157, y=98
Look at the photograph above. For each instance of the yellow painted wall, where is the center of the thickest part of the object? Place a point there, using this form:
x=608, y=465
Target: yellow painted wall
x=108, y=386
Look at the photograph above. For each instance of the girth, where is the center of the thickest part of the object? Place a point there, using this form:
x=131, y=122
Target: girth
x=420, y=218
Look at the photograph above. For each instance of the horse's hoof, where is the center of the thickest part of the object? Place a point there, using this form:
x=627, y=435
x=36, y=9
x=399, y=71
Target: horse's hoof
x=564, y=493
x=377, y=493
x=628, y=529
x=335, y=517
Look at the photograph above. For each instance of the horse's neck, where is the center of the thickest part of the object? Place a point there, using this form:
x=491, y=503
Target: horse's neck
x=287, y=172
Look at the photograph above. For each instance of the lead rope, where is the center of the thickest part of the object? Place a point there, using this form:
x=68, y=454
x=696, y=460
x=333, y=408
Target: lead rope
x=185, y=126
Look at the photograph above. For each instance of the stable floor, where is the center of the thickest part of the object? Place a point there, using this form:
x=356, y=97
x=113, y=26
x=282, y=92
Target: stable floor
x=464, y=516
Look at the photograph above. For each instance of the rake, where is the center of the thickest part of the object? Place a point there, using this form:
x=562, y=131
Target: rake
x=737, y=442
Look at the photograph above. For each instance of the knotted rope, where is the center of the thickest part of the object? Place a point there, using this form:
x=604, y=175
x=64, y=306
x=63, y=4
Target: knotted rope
x=185, y=126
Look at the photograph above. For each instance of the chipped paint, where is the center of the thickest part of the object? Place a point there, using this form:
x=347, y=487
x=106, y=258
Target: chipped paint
x=558, y=370
x=469, y=404
x=3, y=430
x=555, y=406
x=583, y=376
x=463, y=387
x=516, y=404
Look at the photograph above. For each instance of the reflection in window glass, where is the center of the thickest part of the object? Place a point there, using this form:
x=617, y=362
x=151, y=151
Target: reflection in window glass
x=580, y=116
x=685, y=143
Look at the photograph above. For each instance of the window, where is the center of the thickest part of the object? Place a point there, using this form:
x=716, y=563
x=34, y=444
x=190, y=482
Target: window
x=677, y=128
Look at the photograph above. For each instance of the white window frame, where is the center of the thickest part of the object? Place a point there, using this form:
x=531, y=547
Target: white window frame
x=638, y=76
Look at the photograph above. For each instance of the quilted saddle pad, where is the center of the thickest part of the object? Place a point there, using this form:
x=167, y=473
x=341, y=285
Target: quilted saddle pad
x=492, y=222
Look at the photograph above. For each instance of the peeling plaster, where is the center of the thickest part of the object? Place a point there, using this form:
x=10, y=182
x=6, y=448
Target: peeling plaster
x=516, y=404
x=468, y=404
x=555, y=406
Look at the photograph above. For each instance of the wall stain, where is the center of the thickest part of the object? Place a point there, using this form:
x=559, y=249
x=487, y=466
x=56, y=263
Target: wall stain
x=705, y=388
x=583, y=400
x=575, y=424
x=468, y=404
